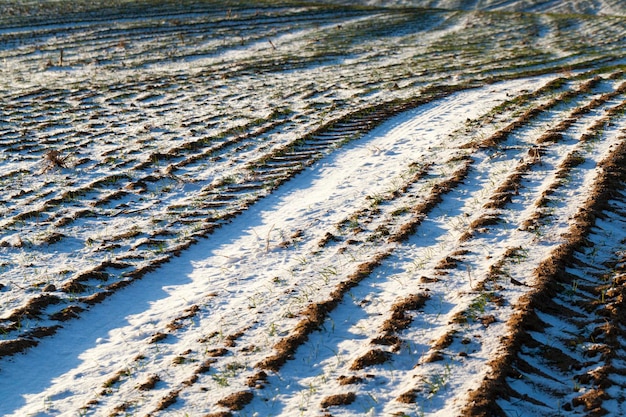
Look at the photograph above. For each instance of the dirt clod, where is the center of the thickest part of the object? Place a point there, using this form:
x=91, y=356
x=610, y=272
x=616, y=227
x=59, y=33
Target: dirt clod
x=338, y=399
x=236, y=401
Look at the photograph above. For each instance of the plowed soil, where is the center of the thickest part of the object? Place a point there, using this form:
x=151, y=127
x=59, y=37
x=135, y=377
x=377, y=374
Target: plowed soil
x=288, y=208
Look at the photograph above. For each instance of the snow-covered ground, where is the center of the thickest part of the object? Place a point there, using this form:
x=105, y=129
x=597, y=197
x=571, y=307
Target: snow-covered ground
x=308, y=210
x=593, y=7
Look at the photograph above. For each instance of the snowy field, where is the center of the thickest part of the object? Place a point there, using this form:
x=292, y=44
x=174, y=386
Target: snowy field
x=312, y=209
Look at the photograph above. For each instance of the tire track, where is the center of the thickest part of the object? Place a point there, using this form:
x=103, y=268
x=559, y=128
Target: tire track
x=192, y=361
x=436, y=377
x=312, y=323
x=207, y=165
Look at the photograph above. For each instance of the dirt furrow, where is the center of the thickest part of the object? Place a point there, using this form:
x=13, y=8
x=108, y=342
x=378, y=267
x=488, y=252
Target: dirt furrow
x=382, y=357
x=82, y=281
x=487, y=296
x=136, y=131
x=78, y=283
x=551, y=274
x=74, y=310
x=223, y=358
x=477, y=311
x=222, y=366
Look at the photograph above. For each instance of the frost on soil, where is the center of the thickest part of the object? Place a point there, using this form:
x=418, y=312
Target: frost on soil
x=297, y=209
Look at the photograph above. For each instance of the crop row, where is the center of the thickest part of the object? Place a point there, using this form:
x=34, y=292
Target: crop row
x=128, y=141
x=382, y=219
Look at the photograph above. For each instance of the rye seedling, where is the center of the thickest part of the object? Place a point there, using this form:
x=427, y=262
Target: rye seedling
x=327, y=273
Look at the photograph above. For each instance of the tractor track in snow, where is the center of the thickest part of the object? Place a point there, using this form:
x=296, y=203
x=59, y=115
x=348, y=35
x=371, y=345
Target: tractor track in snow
x=483, y=244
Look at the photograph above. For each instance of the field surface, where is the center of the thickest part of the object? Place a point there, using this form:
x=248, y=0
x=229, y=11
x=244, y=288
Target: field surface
x=240, y=208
